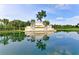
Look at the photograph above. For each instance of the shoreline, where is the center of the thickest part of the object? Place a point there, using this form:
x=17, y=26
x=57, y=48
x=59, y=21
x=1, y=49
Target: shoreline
x=8, y=31
x=67, y=29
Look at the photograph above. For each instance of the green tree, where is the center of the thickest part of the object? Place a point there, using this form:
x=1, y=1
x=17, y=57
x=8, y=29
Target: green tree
x=28, y=23
x=1, y=27
x=18, y=24
x=77, y=25
x=5, y=21
x=32, y=23
x=40, y=15
x=46, y=22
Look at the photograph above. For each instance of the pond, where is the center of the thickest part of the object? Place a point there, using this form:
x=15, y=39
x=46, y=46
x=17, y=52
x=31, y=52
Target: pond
x=58, y=43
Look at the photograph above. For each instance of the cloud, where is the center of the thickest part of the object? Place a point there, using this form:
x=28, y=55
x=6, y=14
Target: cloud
x=59, y=18
x=27, y=12
x=66, y=21
x=57, y=7
x=62, y=6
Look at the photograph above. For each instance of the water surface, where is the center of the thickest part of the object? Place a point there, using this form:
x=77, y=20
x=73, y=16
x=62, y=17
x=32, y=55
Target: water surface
x=59, y=43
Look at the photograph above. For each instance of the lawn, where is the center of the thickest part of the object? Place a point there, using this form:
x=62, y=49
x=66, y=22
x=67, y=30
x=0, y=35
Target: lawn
x=67, y=29
x=9, y=31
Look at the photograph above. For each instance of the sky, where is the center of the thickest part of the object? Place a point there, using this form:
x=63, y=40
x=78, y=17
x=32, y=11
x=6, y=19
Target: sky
x=56, y=13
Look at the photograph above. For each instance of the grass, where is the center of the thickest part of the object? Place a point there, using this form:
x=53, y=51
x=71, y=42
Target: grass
x=57, y=29
x=67, y=29
x=9, y=31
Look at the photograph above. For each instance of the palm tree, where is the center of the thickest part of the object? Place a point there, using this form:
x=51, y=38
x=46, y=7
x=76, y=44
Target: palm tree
x=40, y=15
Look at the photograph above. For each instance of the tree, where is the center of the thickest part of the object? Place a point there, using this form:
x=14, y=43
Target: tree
x=77, y=25
x=28, y=23
x=32, y=23
x=1, y=27
x=18, y=24
x=46, y=22
x=5, y=21
x=40, y=15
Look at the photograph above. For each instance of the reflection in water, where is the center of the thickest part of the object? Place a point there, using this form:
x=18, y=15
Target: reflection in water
x=45, y=37
x=17, y=37
x=61, y=50
x=5, y=37
x=33, y=39
x=39, y=39
x=40, y=43
x=77, y=32
x=4, y=40
x=37, y=35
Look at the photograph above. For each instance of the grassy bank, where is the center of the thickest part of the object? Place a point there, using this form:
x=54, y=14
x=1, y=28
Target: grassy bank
x=6, y=31
x=67, y=29
x=57, y=29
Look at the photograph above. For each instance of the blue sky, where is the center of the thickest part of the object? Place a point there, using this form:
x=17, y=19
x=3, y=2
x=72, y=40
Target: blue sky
x=56, y=13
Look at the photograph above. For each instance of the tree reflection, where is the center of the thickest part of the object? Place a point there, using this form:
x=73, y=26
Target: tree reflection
x=33, y=38
x=45, y=37
x=4, y=40
x=77, y=32
x=41, y=45
x=17, y=36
